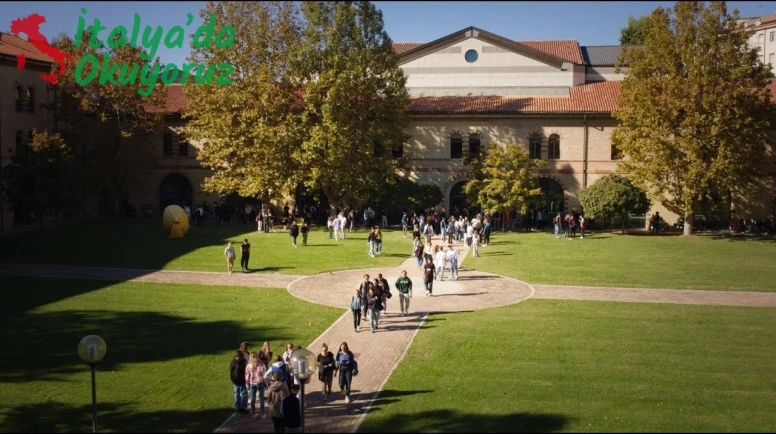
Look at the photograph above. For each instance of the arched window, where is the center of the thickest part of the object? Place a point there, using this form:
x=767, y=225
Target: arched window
x=18, y=96
x=535, y=147
x=456, y=146
x=474, y=145
x=31, y=99
x=553, y=147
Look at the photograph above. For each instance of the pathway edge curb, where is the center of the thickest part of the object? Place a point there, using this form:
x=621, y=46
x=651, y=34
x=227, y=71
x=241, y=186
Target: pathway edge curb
x=374, y=397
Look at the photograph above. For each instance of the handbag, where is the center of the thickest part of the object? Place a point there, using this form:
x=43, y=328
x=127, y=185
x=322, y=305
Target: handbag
x=388, y=295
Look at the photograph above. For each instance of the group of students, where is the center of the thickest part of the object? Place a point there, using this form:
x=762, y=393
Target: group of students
x=254, y=373
x=372, y=297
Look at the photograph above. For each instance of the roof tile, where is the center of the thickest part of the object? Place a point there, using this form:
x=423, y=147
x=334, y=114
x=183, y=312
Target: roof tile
x=565, y=49
x=11, y=45
x=403, y=47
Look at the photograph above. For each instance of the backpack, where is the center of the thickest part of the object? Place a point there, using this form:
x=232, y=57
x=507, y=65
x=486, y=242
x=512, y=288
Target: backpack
x=234, y=372
x=419, y=251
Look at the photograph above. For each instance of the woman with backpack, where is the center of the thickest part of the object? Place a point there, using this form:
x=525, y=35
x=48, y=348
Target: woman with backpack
x=356, y=306
x=419, y=248
x=254, y=381
x=347, y=367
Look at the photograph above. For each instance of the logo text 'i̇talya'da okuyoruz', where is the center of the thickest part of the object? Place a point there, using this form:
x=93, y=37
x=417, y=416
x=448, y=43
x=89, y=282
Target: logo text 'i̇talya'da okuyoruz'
x=122, y=75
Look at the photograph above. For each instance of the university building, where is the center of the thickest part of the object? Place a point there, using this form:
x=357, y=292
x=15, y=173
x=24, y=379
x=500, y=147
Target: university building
x=469, y=90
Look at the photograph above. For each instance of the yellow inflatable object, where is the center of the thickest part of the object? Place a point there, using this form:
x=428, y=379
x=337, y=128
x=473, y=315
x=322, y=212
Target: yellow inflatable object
x=176, y=223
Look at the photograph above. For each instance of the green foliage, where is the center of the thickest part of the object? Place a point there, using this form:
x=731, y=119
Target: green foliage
x=694, y=108
x=633, y=32
x=504, y=179
x=354, y=101
x=614, y=195
x=40, y=175
x=248, y=129
x=406, y=195
x=107, y=122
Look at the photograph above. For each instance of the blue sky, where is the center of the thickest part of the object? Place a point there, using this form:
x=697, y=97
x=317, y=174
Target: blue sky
x=590, y=23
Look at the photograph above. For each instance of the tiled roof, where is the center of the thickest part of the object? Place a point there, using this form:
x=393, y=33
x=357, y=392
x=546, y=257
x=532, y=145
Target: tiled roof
x=11, y=45
x=588, y=98
x=751, y=22
x=403, y=47
x=601, y=55
x=175, y=103
x=565, y=49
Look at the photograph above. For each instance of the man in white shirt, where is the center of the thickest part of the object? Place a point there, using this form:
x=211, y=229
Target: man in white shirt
x=343, y=223
x=452, y=258
x=439, y=261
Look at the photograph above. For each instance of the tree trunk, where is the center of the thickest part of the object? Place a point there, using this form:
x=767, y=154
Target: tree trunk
x=502, y=219
x=687, y=223
x=622, y=221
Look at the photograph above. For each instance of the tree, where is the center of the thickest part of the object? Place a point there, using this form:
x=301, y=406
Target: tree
x=694, y=109
x=504, y=179
x=354, y=102
x=109, y=122
x=633, y=32
x=249, y=129
x=407, y=195
x=614, y=195
x=40, y=176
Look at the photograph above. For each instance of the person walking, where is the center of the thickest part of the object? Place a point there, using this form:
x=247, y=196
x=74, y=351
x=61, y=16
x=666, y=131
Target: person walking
x=419, y=248
x=452, y=258
x=450, y=230
x=476, y=241
x=378, y=241
x=291, y=410
x=429, y=273
x=415, y=237
x=404, y=286
x=428, y=232
x=486, y=230
x=278, y=391
x=439, y=261
x=372, y=240
x=237, y=375
x=582, y=226
x=404, y=225
x=343, y=224
x=572, y=230
x=356, y=306
x=557, y=224
x=364, y=287
x=347, y=367
x=294, y=232
x=335, y=226
x=330, y=225
x=305, y=230
x=245, y=255
x=386, y=291
x=254, y=381
x=326, y=367
x=374, y=305
x=265, y=355
x=230, y=256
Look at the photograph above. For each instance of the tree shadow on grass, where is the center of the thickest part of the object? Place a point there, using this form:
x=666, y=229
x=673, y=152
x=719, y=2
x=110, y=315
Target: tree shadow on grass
x=455, y=421
x=743, y=238
x=111, y=416
x=42, y=346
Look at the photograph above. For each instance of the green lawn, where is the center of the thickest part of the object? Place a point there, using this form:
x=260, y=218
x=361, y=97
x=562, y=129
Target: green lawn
x=169, y=347
x=573, y=366
x=142, y=244
x=673, y=262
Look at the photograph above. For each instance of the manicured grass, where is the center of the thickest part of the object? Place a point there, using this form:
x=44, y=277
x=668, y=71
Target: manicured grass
x=573, y=366
x=142, y=244
x=169, y=347
x=672, y=262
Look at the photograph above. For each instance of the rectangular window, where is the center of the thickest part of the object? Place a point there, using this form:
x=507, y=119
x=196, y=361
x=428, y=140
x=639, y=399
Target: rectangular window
x=616, y=154
x=18, y=96
x=770, y=59
x=456, y=147
x=773, y=36
x=167, y=145
x=183, y=149
x=398, y=152
x=535, y=148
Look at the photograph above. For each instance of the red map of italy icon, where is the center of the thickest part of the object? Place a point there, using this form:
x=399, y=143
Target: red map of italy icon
x=31, y=27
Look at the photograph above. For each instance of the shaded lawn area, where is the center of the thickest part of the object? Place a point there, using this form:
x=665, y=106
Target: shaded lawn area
x=671, y=262
x=169, y=348
x=576, y=366
x=142, y=244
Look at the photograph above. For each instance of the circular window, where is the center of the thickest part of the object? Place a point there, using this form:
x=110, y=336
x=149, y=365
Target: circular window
x=471, y=56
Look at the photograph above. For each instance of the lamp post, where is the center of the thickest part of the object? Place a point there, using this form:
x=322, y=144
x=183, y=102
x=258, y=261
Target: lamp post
x=92, y=349
x=303, y=364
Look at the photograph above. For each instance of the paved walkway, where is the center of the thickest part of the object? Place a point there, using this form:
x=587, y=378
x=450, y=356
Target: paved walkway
x=380, y=353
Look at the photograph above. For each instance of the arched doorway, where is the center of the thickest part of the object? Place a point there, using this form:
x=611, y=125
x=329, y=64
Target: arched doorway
x=458, y=198
x=176, y=189
x=552, y=200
